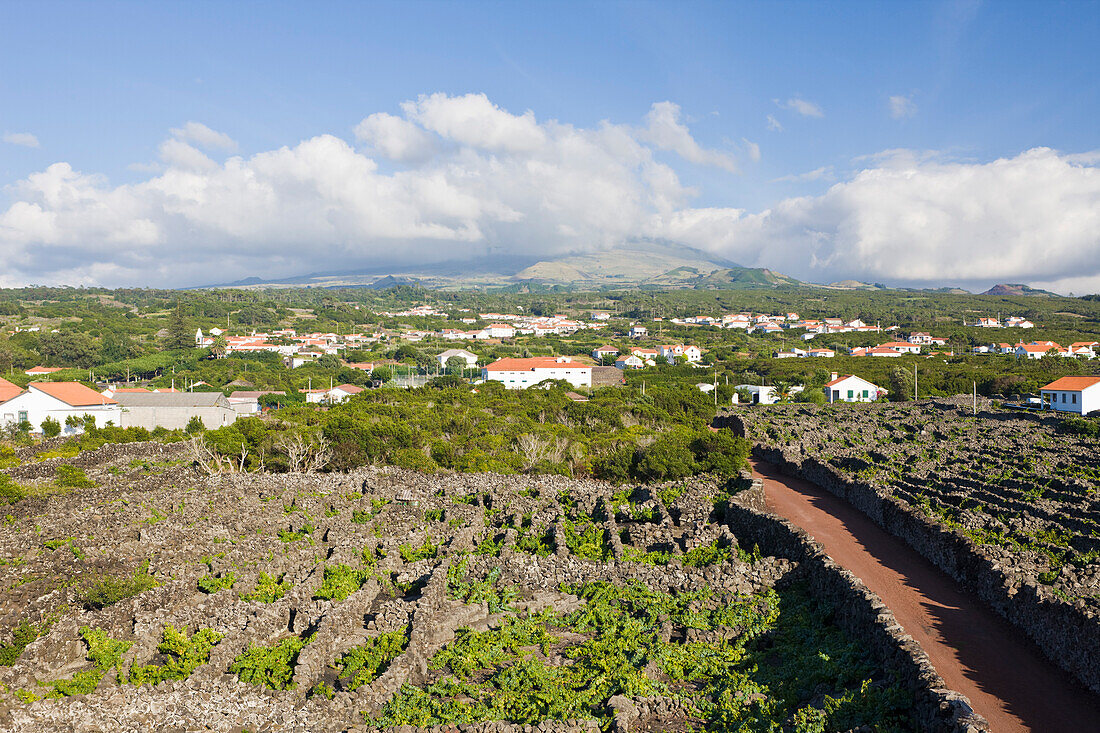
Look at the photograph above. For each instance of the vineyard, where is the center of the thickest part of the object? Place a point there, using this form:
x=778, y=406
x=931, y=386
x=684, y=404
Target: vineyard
x=154, y=595
x=1023, y=487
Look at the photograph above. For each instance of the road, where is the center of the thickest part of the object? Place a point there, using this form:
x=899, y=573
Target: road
x=981, y=655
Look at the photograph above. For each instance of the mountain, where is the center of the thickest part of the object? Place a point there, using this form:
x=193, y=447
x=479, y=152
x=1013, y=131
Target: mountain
x=1019, y=289
x=634, y=263
x=737, y=278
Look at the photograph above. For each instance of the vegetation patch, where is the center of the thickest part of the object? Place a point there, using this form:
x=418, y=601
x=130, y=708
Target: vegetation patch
x=270, y=666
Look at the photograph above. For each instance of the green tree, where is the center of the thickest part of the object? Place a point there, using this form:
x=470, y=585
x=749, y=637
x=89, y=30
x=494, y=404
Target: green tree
x=329, y=361
x=456, y=365
x=179, y=335
x=901, y=384
x=67, y=348
x=220, y=346
x=194, y=426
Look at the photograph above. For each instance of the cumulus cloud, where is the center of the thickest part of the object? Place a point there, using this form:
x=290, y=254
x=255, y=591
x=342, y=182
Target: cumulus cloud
x=26, y=139
x=395, y=138
x=665, y=130
x=802, y=107
x=464, y=176
x=493, y=179
x=204, y=137
x=902, y=106
x=915, y=219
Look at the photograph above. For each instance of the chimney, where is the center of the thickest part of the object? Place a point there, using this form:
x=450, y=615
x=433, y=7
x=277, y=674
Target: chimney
x=833, y=377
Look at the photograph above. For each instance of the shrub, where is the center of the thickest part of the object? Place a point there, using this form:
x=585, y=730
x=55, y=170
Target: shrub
x=104, y=653
x=22, y=635
x=270, y=666
x=268, y=589
x=110, y=590
x=73, y=477
x=340, y=581
x=51, y=428
x=212, y=583
x=184, y=654
x=194, y=426
x=363, y=664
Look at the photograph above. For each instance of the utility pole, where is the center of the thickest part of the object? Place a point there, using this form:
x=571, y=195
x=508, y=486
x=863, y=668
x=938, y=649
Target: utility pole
x=975, y=398
x=914, y=382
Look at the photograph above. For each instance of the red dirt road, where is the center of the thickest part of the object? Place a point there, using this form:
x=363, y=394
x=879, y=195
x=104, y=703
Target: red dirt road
x=977, y=653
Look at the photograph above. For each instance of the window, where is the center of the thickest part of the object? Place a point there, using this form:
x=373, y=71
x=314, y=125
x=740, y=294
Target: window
x=1074, y=400
x=22, y=416
x=850, y=394
x=1063, y=398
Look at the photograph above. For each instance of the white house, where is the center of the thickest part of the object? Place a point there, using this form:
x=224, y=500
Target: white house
x=851, y=388
x=41, y=371
x=468, y=356
x=693, y=354
x=903, y=347
x=500, y=331
x=630, y=362
x=1072, y=394
x=761, y=395
x=820, y=353
x=524, y=373
x=59, y=400
x=637, y=332
x=600, y=352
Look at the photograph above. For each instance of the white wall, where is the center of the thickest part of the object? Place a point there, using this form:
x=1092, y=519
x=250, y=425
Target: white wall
x=1063, y=401
x=39, y=405
x=578, y=377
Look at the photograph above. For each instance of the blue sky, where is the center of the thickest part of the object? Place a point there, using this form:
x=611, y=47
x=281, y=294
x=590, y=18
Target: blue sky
x=819, y=89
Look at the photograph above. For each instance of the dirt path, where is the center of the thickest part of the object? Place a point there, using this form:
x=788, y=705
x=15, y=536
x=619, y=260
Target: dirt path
x=976, y=652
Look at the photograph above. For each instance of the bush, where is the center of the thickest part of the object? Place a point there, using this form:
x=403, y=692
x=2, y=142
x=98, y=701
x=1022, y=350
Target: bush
x=271, y=666
x=1085, y=427
x=110, y=590
x=194, y=426
x=72, y=477
x=51, y=428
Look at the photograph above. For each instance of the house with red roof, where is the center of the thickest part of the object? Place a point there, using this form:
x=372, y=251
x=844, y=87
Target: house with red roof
x=60, y=400
x=1072, y=394
x=524, y=373
x=8, y=390
x=41, y=371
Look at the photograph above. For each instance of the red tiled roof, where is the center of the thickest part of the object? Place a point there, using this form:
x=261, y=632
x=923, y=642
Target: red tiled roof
x=43, y=370
x=73, y=394
x=9, y=390
x=1073, y=384
x=538, y=362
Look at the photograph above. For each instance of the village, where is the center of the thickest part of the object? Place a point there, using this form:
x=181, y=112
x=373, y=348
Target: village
x=69, y=404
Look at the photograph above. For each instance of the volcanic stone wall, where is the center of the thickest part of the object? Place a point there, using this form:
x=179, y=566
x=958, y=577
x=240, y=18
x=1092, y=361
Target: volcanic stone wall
x=857, y=610
x=1068, y=636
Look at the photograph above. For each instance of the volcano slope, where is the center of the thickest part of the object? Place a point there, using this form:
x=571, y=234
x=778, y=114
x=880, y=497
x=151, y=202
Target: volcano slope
x=150, y=596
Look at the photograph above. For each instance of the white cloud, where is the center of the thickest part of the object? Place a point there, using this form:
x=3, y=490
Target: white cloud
x=511, y=183
x=752, y=150
x=1031, y=218
x=495, y=180
x=802, y=107
x=902, y=106
x=823, y=173
x=204, y=137
x=25, y=139
x=774, y=124
x=664, y=129
x=396, y=138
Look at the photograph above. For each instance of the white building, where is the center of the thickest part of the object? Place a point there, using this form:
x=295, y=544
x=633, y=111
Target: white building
x=638, y=332
x=524, y=373
x=851, y=388
x=629, y=362
x=1072, y=394
x=600, y=352
x=468, y=356
x=59, y=400
x=174, y=410
x=761, y=395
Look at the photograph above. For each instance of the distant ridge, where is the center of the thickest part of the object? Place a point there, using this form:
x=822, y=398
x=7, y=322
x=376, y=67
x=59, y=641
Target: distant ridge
x=1019, y=289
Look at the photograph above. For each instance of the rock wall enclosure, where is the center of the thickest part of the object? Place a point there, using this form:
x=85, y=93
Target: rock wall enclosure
x=944, y=491
x=337, y=562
